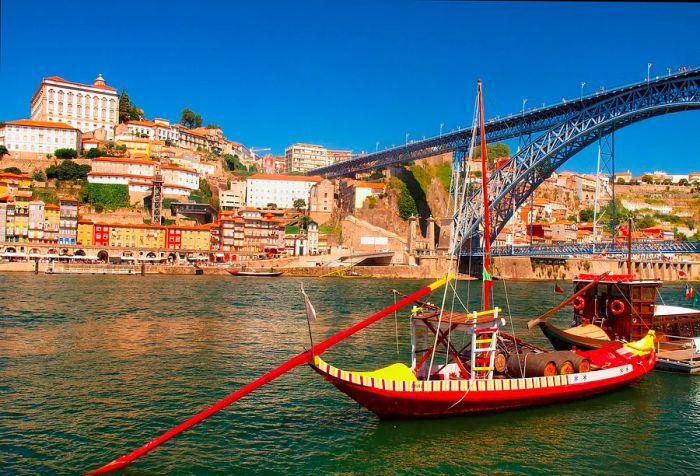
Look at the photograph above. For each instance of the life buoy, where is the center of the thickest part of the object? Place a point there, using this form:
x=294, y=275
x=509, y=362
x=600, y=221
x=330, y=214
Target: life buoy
x=617, y=307
x=579, y=303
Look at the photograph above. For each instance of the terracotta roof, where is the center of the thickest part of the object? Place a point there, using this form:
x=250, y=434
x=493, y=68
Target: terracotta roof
x=117, y=174
x=291, y=178
x=373, y=185
x=61, y=80
x=135, y=225
x=175, y=167
x=32, y=123
x=141, y=123
x=51, y=206
x=121, y=160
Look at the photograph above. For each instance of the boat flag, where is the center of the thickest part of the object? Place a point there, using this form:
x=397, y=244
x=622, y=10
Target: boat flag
x=310, y=311
x=558, y=289
x=689, y=291
x=681, y=273
x=486, y=276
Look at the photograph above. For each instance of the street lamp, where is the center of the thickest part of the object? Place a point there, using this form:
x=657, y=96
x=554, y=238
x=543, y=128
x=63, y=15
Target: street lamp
x=441, y=124
x=523, y=110
x=669, y=71
x=407, y=138
x=376, y=146
x=649, y=65
x=583, y=83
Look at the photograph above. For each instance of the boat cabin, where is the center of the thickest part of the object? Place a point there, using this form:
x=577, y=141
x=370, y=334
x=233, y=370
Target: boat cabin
x=621, y=305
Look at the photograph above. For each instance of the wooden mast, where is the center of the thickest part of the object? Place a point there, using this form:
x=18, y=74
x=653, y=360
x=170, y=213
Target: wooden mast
x=629, y=245
x=487, y=283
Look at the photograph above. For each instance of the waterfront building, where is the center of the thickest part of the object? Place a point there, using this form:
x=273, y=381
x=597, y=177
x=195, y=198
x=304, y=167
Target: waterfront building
x=7, y=214
x=234, y=198
x=87, y=107
x=31, y=139
x=52, y=220
x=21, y=221
x=263, y=233
x=124, y=235
x=85, y=232
x=36, y=222
x=68, y=221
x=183, y=237
x=282, y=190
x=101, y=234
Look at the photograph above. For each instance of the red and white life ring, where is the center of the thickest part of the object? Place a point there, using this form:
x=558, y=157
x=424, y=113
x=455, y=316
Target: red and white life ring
x=617, y=307
x=579, y=303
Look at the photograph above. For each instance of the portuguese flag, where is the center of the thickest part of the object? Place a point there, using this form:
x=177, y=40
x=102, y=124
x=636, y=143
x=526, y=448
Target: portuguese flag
x=486, y=276
x=689, y=291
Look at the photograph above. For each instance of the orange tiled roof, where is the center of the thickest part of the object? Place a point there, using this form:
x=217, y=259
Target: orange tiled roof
x=146, y=123
x=99, y=86
x=373, y=185
x=32, y=123
x=117, y=174
x=175, y=167
x=121, y=160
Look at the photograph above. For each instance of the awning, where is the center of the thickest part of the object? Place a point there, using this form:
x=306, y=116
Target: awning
x=127, y=258
x=15, y=255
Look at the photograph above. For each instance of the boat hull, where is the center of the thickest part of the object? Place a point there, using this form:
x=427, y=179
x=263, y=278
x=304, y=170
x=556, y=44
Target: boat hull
x=260, y=274
x=418, y=399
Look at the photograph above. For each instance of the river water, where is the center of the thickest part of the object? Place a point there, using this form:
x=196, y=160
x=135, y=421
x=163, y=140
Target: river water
x=93, y=366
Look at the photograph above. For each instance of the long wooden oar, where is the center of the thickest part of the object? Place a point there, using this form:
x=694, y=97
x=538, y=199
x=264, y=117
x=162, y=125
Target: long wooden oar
x=300, y=359
x=532, y=323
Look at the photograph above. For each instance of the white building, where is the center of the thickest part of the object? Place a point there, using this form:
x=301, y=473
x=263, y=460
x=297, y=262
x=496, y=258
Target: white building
x=26, y=136
x=83, y=106
x=282, y=190
x=234, y=198
x=305, y=157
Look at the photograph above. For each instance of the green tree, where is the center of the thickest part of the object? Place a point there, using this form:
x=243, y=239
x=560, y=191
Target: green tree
x=203, y=193
x=620, y=181
x=66, y=153
x=646, y=221
x=190, y=119
x=586, y=215
x=493, y=152
x=95, y=152
x=271, y=206
x=683, y=182
x=299, y=204
x=124, y=106
x=646, y=178
x=68, y=170
x=406, y=203
x=12, y=170
x=212, y=126
x=39, y=176
x=3, y=151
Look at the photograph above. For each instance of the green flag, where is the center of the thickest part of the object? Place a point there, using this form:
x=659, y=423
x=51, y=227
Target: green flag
x=486, y=276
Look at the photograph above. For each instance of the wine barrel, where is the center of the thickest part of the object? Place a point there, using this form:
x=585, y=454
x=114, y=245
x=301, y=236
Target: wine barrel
x=531, y=364
x=500, y=363
x=578, y=363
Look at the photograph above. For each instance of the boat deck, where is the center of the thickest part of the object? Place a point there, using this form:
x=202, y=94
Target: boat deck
x=681, y=360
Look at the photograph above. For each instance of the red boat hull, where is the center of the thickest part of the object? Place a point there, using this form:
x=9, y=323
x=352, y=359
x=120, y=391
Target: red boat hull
x=408, y=399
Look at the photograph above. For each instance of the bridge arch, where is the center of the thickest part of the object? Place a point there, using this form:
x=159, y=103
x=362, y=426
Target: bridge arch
x=518, y=178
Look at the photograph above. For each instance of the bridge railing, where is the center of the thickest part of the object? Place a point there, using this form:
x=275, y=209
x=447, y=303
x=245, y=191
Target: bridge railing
x=601, y=249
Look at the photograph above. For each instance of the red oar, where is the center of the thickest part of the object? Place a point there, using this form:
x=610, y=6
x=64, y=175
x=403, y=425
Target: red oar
x=284, y=368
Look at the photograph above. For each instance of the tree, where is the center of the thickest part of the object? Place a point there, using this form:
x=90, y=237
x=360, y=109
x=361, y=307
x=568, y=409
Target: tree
x=586, y=215
x=683, y=182
x=39, y=176
x=12, y=170
x=406, y=203
x=124, y=106
x=493, y=151
x=646, y=178
x=3, y=151
x=620, y=181
x=66, y=153
x=105, y=196
x=68, y=170
x=271, y=206
x=95, y=152
x=190, y=119
x=299, y=204
x=128, y=111
x=212, y=126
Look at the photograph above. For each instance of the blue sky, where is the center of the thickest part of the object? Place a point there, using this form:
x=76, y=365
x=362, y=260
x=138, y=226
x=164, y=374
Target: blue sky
x=350, y=74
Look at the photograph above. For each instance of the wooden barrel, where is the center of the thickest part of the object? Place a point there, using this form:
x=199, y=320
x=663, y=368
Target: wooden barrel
x=531, y=364
x=578, y=363
x=500, y=363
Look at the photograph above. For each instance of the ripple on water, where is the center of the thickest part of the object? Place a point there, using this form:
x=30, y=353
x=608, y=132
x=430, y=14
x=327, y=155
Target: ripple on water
x=91, y=367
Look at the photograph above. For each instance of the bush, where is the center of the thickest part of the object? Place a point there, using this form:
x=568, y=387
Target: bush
x=68, y=170
x=12, y=170
x=66, y=153
x=407, y=205
x=105, y=196
x=96, y=152
x=39, y=176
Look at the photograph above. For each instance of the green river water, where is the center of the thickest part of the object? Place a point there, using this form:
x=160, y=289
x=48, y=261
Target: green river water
x=93, y=366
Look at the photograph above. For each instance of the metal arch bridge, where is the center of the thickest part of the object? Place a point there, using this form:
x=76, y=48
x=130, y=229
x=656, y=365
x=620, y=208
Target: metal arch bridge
x=609, y=249
x=520, y=125
x=511, y=184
